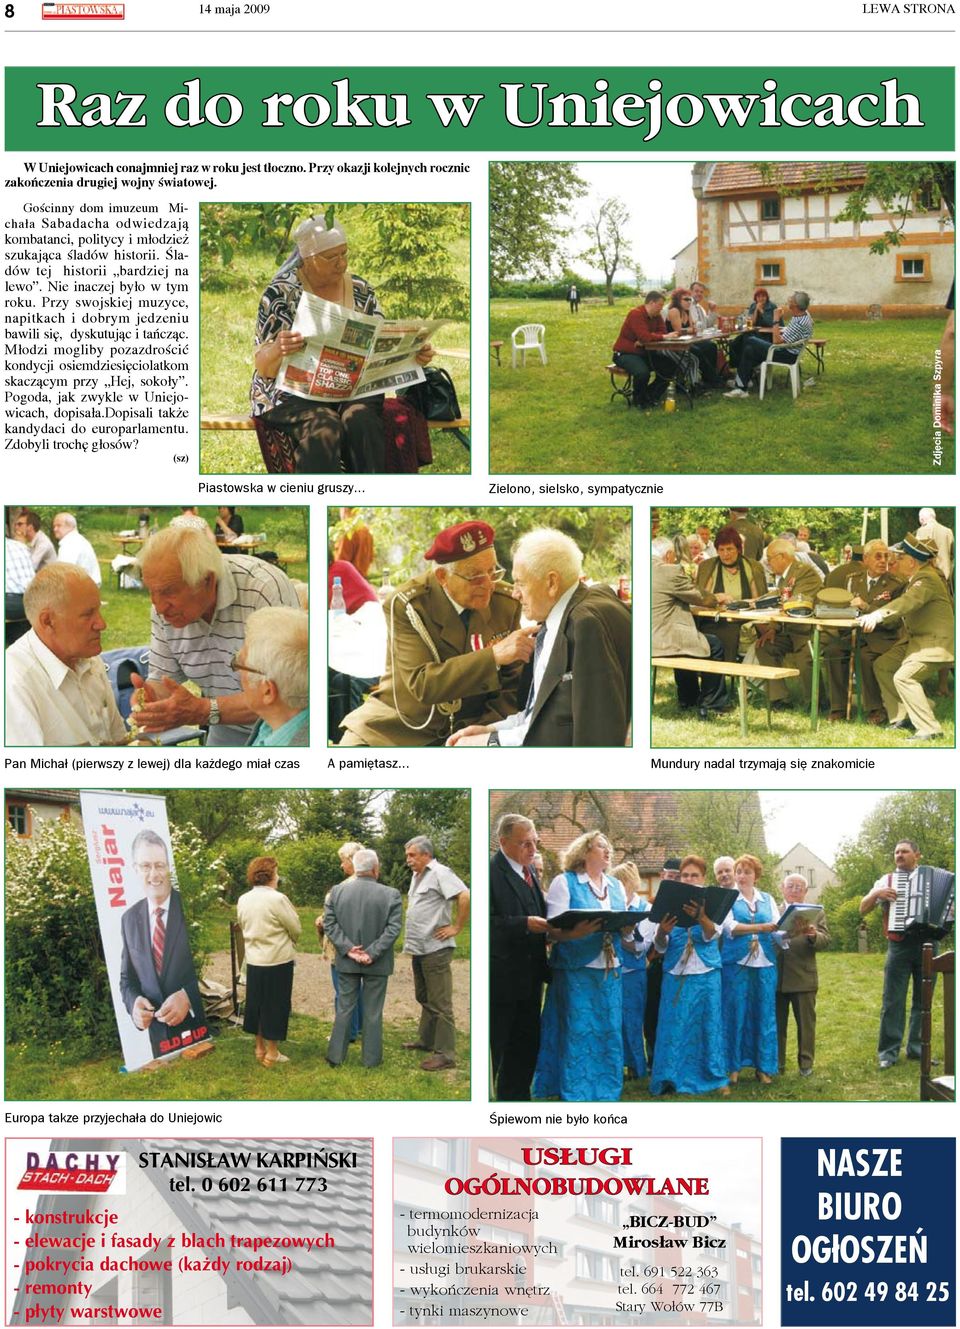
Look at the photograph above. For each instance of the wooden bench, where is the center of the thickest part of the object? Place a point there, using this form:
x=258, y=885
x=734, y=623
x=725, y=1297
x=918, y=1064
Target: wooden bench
x=742, y=672
x=625, y=389
x=937, y=1088
x=460, y=429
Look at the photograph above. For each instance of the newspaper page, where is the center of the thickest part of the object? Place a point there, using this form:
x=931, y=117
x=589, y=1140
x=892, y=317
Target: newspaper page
x=658, y=260
x=344, y=357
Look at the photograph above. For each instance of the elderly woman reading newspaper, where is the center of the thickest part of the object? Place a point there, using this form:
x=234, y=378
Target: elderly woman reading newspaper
x=324, y=437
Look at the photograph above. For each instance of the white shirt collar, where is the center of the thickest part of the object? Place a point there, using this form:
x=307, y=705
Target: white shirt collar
x=53, y=666
x=552, y=621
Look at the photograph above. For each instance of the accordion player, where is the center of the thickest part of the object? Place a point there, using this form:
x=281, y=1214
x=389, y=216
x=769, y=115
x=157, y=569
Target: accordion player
x=924, y=904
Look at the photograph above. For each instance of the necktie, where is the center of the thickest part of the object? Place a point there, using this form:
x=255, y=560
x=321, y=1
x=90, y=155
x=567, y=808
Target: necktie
x=159, y=937
x=465, y=619
x=528, y=877
x=537, y=652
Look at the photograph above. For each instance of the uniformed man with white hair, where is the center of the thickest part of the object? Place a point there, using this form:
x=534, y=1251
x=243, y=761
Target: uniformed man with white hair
x=925, y=609
x=455, y=647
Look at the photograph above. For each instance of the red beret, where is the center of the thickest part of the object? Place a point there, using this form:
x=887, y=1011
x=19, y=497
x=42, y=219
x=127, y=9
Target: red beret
x=461, y=541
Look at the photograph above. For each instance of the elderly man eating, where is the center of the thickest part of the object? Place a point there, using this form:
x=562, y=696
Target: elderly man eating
x=57, y=689
x=788, y=339
x=273, y=665
x=201, y=603
x=579, y=692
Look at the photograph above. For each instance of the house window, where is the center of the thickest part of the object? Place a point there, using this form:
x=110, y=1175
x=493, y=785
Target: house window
x=435, y=1153
x=597, y=1207
x=18, y=815
x=927, y=199
x=913, y=267
x=770, y=209
x=597, y=1266
x=770, y=272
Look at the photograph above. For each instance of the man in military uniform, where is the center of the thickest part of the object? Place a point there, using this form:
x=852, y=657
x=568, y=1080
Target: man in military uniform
x=926, y=611
x=734, y=574
x=782, y=643
x=872, y=587
x=750, y=533
x=455, y=649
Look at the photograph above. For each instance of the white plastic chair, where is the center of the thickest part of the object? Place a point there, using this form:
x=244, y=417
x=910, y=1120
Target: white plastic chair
x=793, y=370
x=528, y=337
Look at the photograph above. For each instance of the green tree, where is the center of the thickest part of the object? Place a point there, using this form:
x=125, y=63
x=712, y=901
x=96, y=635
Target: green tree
x=529, y=216
x=902, y=189
x=724, y=821
x=441, y=814
x=609, y=248
x=411, y=248
x=926, y=816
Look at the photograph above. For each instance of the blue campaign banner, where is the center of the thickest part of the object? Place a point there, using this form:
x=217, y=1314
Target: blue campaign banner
x=868, y=1232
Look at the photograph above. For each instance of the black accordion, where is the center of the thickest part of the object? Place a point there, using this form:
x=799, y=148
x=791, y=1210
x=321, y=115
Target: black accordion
x=924, y=903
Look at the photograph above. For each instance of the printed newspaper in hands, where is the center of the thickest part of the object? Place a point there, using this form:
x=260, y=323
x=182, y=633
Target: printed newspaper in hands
x=349, y=355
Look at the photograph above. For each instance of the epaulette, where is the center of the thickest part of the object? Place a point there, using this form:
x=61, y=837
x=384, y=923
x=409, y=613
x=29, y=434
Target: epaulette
x=502, y=588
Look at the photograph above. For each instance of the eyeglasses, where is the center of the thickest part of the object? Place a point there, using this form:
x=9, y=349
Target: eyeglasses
x=236, y=666
x=330, y=257
x=493, y=575
x=686, y=299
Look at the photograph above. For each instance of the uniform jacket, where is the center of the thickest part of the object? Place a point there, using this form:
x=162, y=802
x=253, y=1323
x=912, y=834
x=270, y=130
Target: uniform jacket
x=413, y=683
x=138, y=976
x=584, y=695
x=518, y=957
x=707, y=575
x=797, y=965
x=752, y=536
x=362, y=911
x=926, y=611
x=853, y=577
x=674, y=629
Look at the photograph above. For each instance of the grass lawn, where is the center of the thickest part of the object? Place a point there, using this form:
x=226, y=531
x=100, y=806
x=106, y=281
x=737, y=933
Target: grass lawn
x=39, y=1070
x=127, y=612
x=230, y=1072
x=227, y=321
x=673, y=728
x=870, y=412
x=845, y=1069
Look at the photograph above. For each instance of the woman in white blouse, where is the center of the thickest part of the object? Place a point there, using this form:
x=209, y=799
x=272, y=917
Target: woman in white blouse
x=270, y=926
x=750, y=976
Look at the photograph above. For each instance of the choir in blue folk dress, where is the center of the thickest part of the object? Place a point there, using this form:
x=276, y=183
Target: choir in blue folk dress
x=581, y=1033
x=633, y=971
x=690, y=1053
x=750, y=949
x=717, y=1010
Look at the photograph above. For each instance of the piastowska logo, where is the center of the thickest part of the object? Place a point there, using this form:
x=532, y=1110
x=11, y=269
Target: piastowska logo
x=74, y=10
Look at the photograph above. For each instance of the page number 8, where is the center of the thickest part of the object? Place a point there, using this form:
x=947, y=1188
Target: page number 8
x=8, y=11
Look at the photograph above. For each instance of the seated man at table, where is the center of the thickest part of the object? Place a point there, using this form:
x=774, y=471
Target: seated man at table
x=737, y=577
x=871, y=586
x=788, y=340
x=632, y=350
x=783, y=643
x=57, y=688
x=675, y=631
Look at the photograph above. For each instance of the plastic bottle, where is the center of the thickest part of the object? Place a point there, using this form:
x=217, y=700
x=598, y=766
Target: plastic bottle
x=337, y=605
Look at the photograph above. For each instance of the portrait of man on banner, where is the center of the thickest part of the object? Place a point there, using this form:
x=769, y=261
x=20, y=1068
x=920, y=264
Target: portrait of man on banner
x=146, y=942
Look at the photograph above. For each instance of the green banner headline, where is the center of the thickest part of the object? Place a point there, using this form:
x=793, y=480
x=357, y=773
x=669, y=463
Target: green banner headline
x=425, y=109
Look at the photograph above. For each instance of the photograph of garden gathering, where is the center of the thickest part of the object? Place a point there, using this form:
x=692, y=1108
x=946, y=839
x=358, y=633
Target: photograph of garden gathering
x=157, y=626
x=329, y=932
x=763, y=946
x=480, y=627
x=722, y=317
x=335, y=338
x=803, y=627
